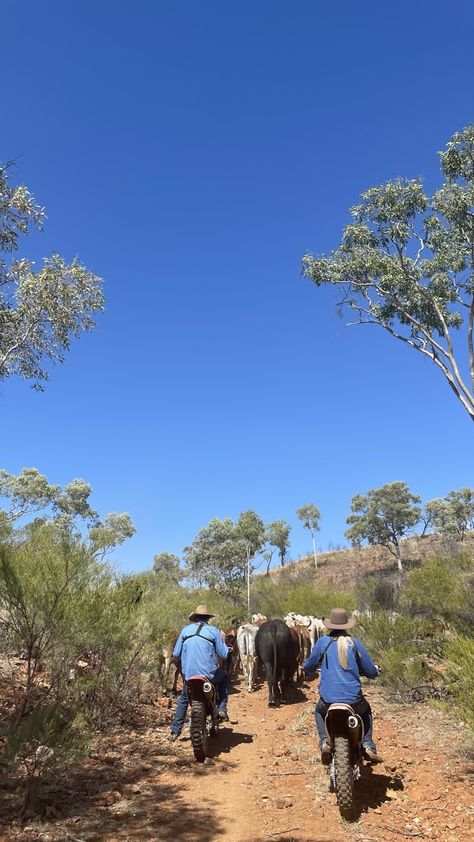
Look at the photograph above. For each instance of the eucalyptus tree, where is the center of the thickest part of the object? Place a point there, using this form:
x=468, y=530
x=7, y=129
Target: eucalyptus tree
x=30, y=494
x=267, y=556
x=278, y=535
x=406, y=264
x=453, y=515
x=41, y=310
x=309, y=515
x=251, y=529
x=221, y=555
x=383, y=516
x=168, y=566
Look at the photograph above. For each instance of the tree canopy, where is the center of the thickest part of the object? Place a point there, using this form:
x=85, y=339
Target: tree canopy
x=278, y=535
x=406, y=263
x=40, y=310
x=221, y=553
x=383, y=516
x=30, y=493
x=309, y=515
x=452, y=515
x=167, y=565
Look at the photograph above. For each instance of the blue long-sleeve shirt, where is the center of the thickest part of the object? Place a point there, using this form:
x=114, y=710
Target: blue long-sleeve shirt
x=199, y=652
x=337, y=684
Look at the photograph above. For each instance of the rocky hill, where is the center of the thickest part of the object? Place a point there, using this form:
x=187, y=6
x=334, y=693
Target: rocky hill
x=346, y=568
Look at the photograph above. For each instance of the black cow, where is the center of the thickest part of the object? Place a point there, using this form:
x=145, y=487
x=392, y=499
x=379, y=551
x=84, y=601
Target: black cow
x=275, y=648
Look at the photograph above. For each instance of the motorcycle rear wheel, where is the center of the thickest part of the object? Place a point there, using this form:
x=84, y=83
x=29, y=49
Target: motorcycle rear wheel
x=199, y=730
x=344, y=778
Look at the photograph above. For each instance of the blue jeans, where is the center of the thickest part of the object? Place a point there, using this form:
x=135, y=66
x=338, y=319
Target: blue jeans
x=362, y=708
x=221, y=681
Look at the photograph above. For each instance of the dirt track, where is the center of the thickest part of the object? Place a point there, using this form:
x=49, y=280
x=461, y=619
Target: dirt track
x=265, y=782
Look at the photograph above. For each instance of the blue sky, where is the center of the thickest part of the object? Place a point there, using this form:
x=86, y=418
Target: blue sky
x=190, y=153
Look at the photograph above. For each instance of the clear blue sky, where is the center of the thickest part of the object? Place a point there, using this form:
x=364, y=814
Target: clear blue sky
x=190, y=153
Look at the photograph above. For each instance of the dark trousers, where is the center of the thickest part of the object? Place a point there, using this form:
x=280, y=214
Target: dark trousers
x=362, y=708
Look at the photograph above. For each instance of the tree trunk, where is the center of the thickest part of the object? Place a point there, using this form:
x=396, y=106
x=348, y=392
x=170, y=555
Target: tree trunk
x=248, y=579
x=399, y=558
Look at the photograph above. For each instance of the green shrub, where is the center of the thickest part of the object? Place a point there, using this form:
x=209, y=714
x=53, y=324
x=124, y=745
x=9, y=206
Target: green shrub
x=460, y=675
x=438, y=589
x=42, y=742
x=278, y=598
x=407, y=650
x=60, y=609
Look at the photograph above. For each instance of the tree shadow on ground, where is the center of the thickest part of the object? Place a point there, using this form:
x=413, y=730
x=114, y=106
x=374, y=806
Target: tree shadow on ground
x=138, y=805
x=371, y=790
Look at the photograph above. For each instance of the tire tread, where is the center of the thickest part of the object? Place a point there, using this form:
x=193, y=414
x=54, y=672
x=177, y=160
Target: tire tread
x=198, y=731
x=344, y=777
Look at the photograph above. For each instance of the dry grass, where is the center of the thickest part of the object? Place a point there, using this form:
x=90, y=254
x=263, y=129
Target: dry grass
x=345, y=568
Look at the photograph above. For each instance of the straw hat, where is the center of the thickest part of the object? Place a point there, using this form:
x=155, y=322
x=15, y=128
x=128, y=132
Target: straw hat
x=201, y=611
x=338, y=619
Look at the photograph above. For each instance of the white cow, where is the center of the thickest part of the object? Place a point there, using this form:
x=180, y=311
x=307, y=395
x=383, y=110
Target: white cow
x=248, y=657
x=315, y=626
x=258, y=619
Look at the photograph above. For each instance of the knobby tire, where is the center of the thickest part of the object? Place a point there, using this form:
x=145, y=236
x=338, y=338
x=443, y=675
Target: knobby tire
x=344, y=777
x=198, y=730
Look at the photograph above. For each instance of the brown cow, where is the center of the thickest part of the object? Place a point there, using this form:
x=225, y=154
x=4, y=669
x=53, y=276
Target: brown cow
x=231, y=663
x=305, y=647
x=166, y=659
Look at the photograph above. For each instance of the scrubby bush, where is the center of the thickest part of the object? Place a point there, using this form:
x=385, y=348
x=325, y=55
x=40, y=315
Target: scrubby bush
x=439, y=589
x=278, y=598
x=62, y=611
x=393, y=643
x=49, y=736
x=460, y=675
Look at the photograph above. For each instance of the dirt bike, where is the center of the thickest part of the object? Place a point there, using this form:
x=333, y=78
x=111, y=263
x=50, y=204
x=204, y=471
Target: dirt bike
x=202, y=698
x=345, y=732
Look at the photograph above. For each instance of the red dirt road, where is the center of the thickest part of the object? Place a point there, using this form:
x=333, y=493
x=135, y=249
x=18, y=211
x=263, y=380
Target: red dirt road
x=265, y=782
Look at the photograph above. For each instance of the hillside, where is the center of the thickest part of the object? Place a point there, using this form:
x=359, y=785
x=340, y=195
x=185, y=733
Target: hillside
x=346, y=568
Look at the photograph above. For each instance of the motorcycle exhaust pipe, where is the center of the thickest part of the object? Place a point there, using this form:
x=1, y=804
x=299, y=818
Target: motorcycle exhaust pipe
x=207, y=687
x=352, y=722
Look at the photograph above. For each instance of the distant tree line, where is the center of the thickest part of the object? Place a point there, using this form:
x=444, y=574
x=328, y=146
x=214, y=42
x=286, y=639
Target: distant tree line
x=223, y=551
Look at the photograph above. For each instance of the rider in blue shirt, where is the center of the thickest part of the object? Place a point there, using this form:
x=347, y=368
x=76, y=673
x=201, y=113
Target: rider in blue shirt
x=198, y=646
x=343, y=659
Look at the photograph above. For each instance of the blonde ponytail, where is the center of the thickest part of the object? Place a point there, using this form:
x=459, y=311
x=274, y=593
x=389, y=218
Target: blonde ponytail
x=343, y=642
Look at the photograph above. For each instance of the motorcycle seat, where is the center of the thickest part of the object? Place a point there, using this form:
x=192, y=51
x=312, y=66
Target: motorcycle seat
x=342, y=706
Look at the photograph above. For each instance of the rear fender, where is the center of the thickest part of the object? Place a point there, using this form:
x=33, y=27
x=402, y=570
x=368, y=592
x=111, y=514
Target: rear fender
x=341, y=721
x=200, y=689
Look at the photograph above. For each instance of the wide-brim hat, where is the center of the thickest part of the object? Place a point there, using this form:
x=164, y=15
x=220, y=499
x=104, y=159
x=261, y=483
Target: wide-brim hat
x=201, y=611
x=338, y=619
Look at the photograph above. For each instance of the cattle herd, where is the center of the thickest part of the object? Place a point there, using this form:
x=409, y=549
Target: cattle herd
x=280, y=646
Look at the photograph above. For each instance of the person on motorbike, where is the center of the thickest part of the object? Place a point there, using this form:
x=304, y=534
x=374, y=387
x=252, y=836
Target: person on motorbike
x=198, y=646
x=342, y=664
